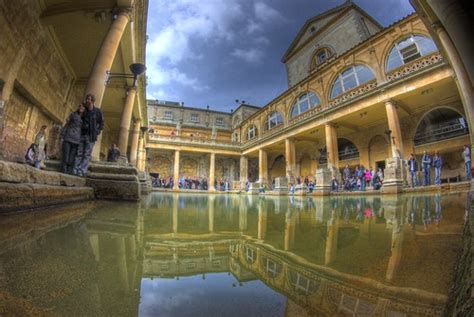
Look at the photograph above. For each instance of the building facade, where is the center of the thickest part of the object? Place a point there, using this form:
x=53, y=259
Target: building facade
x=383, y=94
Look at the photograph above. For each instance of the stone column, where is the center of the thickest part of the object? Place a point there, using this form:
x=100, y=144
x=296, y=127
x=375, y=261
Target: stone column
x=125, y=121
x=331, y=146
x=262, y=166
x=176, y=170
x=290, y=157
x=331, y=239
x=103, y=63
x=139, y=151
x=462, y=78
x=175, y=213
x=242, y=214
x=134, y=145
x=394, y=126
x=244, y=171
x=212, y=169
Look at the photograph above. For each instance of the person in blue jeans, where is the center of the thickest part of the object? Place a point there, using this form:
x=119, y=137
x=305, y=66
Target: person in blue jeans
x=426, y=162
x=413, y=168
x=467, y=161
x=437, y=163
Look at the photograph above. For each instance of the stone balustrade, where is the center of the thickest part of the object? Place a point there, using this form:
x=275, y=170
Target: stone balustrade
x=179, y=140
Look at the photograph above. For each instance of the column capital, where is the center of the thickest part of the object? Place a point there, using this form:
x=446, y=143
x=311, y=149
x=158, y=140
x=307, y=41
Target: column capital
x=437, y=27
x=122, y=11
x=390, y=101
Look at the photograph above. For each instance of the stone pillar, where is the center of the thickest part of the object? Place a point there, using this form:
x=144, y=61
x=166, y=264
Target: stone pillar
x=244, y=171
x=262, y=166
x=176, y=170
x=462, y=78
x=103, y=63
x=139, y=152
x=290, y=157
x=242, y=215
x=125, y=121
x=134, y=145
x=394, y=126
x=331, y=146
x=212, y=170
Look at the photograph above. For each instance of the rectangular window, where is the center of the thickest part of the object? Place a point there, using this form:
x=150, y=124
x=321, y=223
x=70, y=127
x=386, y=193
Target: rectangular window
x=168, y=115
x=194, y=118
x=219, y=121
x=410, y=53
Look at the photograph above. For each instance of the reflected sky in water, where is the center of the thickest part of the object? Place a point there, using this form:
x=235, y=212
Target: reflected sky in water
x=214, y=255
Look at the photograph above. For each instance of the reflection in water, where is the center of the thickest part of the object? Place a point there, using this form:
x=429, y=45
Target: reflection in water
x=206, y=255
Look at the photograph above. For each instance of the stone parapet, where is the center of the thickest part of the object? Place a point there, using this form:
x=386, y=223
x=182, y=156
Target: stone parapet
x=393, y=176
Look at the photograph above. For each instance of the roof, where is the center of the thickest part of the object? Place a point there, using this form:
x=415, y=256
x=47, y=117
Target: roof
x=338, y=9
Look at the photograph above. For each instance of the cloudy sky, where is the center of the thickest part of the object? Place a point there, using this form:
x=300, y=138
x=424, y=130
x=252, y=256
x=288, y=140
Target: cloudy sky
x=211, y=52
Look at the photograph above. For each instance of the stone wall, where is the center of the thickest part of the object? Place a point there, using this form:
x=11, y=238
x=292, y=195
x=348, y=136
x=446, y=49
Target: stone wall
x=38, y=88
x=340, y=37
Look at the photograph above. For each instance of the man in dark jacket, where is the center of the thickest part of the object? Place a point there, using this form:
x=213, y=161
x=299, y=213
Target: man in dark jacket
x=71, y=136
x=92, y=126
x=113, y=154
x=413, y=167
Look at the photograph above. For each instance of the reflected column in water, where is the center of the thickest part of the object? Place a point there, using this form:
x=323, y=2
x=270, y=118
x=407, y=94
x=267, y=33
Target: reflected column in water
x=331, y=238
x=175, y=213
x=211, y=213
x=393, y=214
x=262, y=220
x=290, y=224
x=243, y=214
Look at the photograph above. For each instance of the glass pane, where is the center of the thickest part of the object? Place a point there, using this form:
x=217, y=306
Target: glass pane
x=364, y=74
x=294, y=111
x=313, y=100
x=426, y=45
x=394, y=60
x=350, y=82
x=336, y=89
x=304, y=105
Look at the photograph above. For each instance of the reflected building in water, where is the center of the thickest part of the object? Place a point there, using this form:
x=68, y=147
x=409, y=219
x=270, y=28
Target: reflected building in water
x=357, y=255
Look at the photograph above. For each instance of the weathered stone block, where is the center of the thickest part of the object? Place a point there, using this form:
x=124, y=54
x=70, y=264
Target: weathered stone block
x=72, y=181
x=253, y=188
x=13, y=172
x=47, y=195
x=15, y=197
x=37, y=176
x=393, y=178
x=115, y=189
x=323, y=179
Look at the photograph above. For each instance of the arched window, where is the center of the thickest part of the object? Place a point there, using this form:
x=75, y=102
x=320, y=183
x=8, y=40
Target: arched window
x=251, y=132
x=408, y=50
x=350, y=78
x=273, y=120
x=305, y=102
x=321, y=56
x=440, y=124
x=347, y=150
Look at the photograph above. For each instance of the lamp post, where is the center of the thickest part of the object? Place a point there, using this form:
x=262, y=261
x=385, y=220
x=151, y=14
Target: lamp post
x=137, y=69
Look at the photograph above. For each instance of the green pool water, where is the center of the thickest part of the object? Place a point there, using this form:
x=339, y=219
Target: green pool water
x=231, y=255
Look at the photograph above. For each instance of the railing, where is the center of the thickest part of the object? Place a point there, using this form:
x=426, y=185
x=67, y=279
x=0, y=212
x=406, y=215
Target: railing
x=200, y=141
x=414, y=66
x=443, y=131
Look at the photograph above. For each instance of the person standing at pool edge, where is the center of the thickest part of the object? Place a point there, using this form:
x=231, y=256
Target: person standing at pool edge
x=467, y=161
x=426, y=163
x=437, y=163
x=92, y=126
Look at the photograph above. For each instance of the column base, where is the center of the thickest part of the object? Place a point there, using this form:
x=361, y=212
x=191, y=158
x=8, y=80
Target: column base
x=211, y=189
x=393, y=176
x=323, y=179
x=253, y=189
x=281, y=185
x=122, y=160
x=301, y=189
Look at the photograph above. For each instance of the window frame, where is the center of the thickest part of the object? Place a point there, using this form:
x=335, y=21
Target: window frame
x=414, y=41
x=168, y=115
x=220, y=121
x=274, y=116
x=299, y=100
x=344, y=75
x=194, y=117
x=252, y=128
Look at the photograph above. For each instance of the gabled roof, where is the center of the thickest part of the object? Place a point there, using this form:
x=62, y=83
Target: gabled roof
x=339, y=9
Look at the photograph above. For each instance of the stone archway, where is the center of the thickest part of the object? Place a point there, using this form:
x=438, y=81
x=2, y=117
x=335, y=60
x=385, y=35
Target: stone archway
x=278, y=167
x=379, y=150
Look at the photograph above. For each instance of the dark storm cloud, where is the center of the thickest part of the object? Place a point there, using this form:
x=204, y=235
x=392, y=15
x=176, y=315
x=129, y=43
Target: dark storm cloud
x=211, y=52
